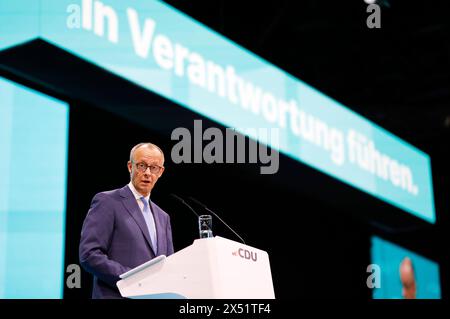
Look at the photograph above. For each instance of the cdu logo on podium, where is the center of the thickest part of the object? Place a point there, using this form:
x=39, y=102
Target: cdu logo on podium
x=246, y=254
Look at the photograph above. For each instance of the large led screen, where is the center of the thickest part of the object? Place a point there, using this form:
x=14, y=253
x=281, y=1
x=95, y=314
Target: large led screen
x=33, y=173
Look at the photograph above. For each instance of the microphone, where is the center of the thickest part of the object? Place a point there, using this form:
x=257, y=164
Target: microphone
x=206, y=208
x=190, y=208
x=184, y=203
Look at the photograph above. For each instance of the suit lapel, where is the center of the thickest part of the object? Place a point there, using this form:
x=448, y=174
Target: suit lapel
x=133, y=209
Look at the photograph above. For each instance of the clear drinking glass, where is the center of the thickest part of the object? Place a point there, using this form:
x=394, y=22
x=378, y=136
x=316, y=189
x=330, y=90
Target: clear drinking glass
x=205, y=226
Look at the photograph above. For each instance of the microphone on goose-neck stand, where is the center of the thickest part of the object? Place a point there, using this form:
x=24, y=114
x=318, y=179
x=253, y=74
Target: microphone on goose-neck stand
x=204, y=221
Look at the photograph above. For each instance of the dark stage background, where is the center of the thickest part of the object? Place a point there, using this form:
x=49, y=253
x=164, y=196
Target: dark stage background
x=314, y=245
x=311, y=244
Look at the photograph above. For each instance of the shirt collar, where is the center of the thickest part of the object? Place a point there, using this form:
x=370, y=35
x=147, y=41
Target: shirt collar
x=136, y=194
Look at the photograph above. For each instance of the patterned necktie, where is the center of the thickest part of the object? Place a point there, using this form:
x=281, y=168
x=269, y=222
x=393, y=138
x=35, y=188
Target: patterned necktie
x=150, y=221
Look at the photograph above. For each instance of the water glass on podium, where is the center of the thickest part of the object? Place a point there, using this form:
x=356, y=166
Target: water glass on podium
x=205, y=226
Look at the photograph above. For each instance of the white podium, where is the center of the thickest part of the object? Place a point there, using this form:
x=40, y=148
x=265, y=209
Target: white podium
x=210, y=268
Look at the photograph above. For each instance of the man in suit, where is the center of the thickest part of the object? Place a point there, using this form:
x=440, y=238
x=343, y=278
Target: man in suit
x=123, y=227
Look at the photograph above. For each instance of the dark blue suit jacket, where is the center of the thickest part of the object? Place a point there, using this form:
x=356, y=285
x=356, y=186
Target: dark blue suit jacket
x=115, y=239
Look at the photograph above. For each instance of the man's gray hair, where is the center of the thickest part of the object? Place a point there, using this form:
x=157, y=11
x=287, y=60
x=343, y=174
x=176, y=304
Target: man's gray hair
x=149, y=145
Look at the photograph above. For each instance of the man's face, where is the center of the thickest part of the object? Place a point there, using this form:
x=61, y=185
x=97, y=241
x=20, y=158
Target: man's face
x=145, y=181
x=407, y=279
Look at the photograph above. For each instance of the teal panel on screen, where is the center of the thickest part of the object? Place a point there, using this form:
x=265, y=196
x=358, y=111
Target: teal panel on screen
x=167, y=52
x=33, y=169
x=389, y=256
